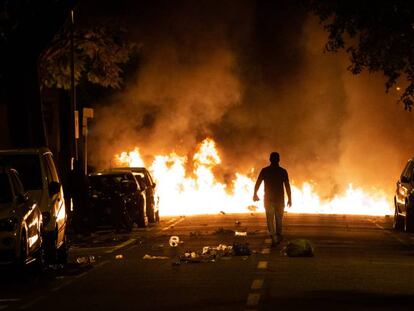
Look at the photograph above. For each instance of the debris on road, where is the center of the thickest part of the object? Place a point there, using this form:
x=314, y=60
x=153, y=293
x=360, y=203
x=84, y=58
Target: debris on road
x=240, y=233
x=146, y=256
x=299, y=248
x=237, y=223
x=174, y=241
x=221, y=230
x=85, y=260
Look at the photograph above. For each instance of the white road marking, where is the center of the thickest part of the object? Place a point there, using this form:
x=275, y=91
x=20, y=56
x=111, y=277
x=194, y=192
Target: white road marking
x=173, y=224
x=257, y=284
x=262, y=265
x=253, y=299
x=31, y=303
x=266, y=251
x=389, y=233
x=126, y=243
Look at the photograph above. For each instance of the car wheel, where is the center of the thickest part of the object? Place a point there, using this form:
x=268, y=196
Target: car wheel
x=151, y=214
x=398, y=223
x=409, y=220
x=142, y=220
x=62, y=252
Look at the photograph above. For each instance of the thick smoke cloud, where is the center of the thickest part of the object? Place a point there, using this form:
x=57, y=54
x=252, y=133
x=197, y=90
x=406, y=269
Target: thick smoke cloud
x=253, y=75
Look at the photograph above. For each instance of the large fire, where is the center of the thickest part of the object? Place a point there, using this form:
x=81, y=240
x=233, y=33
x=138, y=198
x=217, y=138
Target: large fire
x=199, y=192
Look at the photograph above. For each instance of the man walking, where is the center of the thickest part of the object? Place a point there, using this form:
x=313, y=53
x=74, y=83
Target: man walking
x=275, y=180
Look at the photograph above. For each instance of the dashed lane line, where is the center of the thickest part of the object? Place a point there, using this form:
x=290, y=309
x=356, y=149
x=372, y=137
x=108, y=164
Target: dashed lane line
x=253, y=299
x=257, y=284
x=262, y=265
x=173, y=224
x=122, y=245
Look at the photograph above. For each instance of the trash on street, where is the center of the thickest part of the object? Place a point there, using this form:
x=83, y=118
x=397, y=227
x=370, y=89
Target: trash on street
x=174, y=241
x=298, y=248
x=240, y=233
x=85, y=260
x=146, y=256
x=238, y=223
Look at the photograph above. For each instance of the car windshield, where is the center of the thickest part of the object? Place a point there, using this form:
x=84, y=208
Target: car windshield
x=105, y=183
x=5, y=190
x=28, y=167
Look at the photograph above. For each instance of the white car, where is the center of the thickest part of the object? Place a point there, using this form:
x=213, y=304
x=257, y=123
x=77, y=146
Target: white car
x=20, y=222
x=39, y=175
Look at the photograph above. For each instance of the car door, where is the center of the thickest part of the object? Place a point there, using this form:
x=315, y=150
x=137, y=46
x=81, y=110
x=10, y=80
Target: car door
x=405, y=186
x=56, y=200
x=30, y=217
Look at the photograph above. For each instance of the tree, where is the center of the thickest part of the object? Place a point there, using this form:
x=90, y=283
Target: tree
x=378, y=36
x=100, y=51
x=26, y=27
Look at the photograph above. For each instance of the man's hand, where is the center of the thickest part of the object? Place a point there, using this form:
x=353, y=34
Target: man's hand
x=255, y=197
x=289, y=203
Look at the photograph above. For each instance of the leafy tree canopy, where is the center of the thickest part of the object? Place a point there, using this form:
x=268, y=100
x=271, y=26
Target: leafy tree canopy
x=100, y=52
x=377, y=35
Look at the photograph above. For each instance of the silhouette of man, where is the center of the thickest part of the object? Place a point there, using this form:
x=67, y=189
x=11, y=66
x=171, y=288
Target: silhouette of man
x=275, y=180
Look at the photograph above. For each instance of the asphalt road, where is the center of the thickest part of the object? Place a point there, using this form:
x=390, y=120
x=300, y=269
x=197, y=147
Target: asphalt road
x=359, y=264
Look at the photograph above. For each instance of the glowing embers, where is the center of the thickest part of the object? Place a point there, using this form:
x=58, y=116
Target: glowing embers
x=184, y=191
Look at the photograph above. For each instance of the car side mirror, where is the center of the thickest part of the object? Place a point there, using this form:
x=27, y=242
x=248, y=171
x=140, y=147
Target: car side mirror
x=54, y=188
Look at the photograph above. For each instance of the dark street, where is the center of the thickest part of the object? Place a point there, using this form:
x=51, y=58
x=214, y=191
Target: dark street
x=359, y=264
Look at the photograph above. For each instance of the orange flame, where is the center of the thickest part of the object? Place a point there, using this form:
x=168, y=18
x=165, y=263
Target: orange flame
x=182, y=193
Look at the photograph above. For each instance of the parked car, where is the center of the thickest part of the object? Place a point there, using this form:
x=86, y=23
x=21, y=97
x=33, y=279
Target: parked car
x=118, y=199
x=404, y=199
x=20, y=222
x=39, y=175
x=150, y=191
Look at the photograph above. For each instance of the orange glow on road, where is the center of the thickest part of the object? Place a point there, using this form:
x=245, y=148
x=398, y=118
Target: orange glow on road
x=199, y=192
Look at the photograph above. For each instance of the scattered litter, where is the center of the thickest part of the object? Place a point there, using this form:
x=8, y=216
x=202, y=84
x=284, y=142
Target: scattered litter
x=174, y=241
x=240, y=233
x=146, y=256
x=223, y=212
x=120, y=256
x=85, y=260
x=238, y=223
x=299, y=248
x=252, y=208
x=241, y=249
x=221, y=230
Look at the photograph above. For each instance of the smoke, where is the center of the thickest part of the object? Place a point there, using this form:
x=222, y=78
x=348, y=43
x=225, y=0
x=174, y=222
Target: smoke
x=253, y=75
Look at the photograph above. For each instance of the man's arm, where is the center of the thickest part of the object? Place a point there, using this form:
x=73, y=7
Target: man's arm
x=288, y=191
x=257, y=186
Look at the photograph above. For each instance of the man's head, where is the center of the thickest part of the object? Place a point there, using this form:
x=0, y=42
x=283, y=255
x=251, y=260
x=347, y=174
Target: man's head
x=274, y=158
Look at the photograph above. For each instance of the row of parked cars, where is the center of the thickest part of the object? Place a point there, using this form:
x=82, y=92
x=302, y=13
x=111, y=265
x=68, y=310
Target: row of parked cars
x=124, y=196
x=32, y=208
x=33, y=215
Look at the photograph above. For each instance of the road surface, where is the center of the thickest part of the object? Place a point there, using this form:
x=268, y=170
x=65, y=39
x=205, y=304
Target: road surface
x=359, y=264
